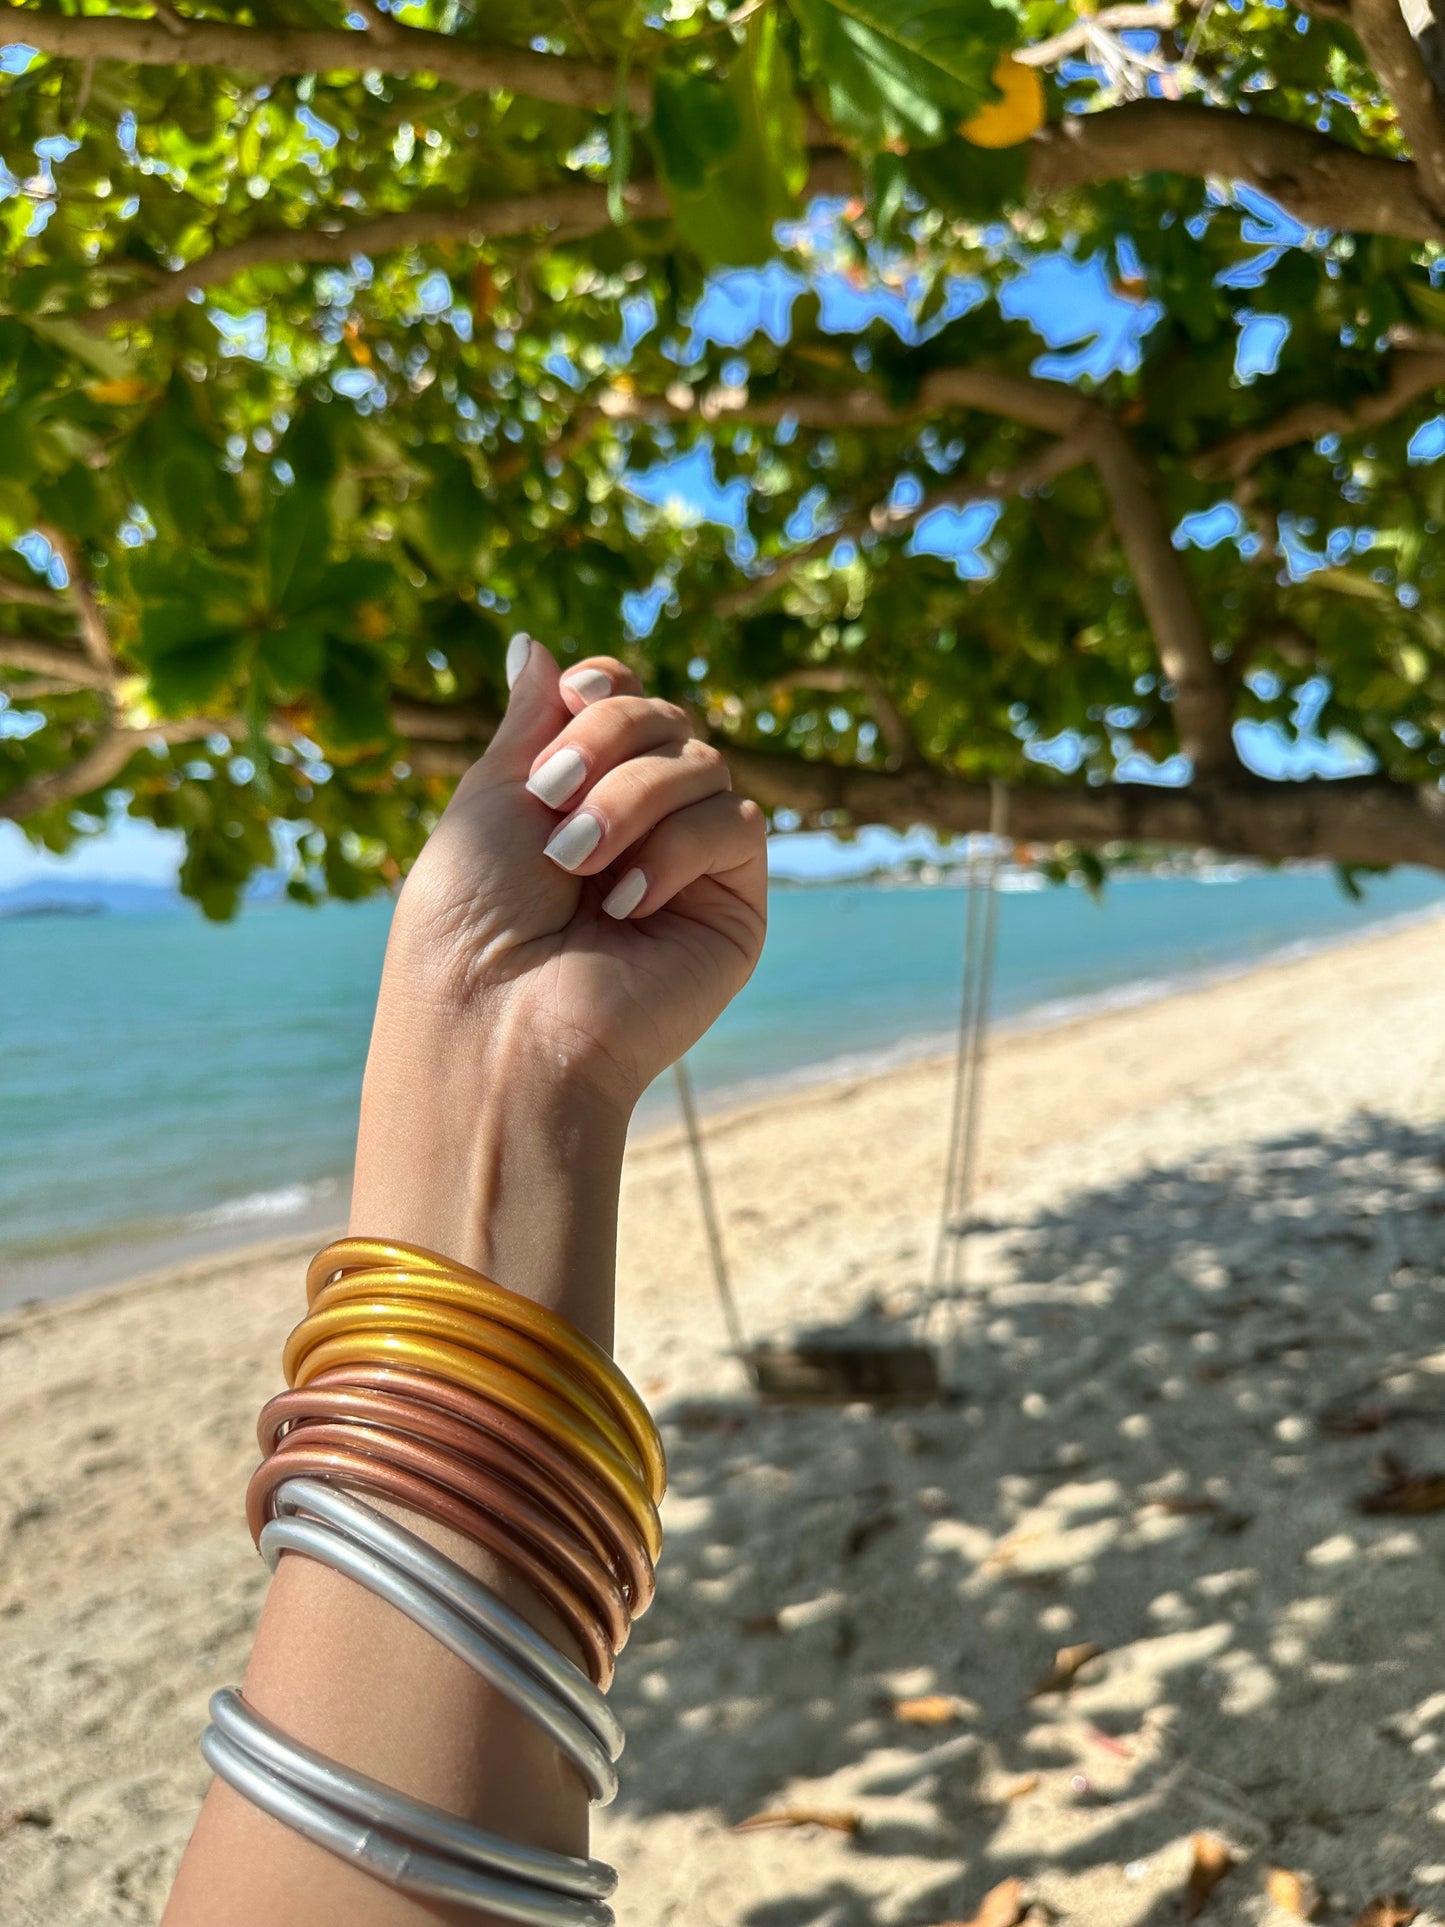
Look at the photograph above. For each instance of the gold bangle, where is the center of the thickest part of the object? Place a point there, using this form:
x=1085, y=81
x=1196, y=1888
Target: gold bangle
x=352, y=1255
x=538, y=1358
x=473, y=1334
x=507, y=1388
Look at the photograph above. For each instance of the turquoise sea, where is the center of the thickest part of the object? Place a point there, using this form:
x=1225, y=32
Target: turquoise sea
x=170, y=1085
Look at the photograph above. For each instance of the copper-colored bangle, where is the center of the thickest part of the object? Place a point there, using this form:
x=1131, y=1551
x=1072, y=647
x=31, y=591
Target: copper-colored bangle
x=349, y=1255
x=479, y=1335
x=457, y=1421
x=301, y=1411
x=480, y=1487
x=509, y=1389
x=354, y=1470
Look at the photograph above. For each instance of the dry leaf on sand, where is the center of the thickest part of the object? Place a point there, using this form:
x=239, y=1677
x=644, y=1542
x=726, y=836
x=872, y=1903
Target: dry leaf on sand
x=1212, y=1860
x=1069, y=1662
x=1002, y=1906
x=1293, y=1893
x=836, y=1819
x=1411, y=1493
x=929, y=1709
x=1386, y=1910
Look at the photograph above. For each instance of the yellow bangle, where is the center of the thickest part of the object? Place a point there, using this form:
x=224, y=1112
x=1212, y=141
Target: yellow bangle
x=477, y=1335
x=505, y=1387
x=354, y=1257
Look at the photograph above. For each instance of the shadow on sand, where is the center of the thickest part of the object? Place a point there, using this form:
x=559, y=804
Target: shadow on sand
x=1177, y=1391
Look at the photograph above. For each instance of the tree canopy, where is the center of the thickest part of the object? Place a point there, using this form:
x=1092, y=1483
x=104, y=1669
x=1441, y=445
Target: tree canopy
x=337, y=346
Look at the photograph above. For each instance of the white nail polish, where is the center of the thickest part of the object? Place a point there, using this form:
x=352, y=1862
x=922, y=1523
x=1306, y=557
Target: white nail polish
x=625, y=895
x=519, y=650
x=558, y=777
x=590, y=684
x=575, y=841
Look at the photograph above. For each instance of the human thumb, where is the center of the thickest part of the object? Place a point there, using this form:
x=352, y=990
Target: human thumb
x=535, y=710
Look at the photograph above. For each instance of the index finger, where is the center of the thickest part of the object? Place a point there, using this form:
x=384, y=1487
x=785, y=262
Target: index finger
x=589, y=681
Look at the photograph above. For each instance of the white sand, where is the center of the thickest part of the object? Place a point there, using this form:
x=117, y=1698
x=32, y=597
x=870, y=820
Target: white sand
x=1214, y=1220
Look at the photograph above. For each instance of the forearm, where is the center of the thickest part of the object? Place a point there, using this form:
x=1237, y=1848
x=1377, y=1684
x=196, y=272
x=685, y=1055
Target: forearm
x=520, y=1182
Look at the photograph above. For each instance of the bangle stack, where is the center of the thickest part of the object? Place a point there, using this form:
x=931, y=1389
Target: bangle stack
x=421, y=1382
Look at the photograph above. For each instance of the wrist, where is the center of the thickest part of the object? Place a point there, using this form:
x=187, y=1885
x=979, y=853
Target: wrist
x=500, y=1156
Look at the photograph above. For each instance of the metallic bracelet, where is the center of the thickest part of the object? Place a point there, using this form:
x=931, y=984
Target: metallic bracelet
x=363, y=1798
x=452, y=1629
x=386, y=1857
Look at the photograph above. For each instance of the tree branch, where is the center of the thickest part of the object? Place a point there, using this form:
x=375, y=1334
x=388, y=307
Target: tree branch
x=100, y=765
x=1390, y=49
x=1158, y=16
x=516, y=214
x=1201, y=703
x=62, y=665
x=90, y=619
x=1411, y=374
x=840, y=679
x=1358, y=820
x=1317, y=179
x=879, y=518
x=274, y=51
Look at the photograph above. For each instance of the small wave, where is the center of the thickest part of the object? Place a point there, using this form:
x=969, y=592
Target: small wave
x=285, y=1202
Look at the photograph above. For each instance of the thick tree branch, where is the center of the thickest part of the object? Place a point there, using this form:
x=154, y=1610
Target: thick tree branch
x=1201, y=698
x=580, y=203
x=1317, y=179
x=101, y=764
x=1410, y=374
x=1390, y=49
x=274, y=51
x=1355, y=821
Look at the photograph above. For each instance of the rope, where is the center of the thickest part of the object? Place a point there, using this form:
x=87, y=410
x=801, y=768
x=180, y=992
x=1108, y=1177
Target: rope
x=688, y=1107
x=980, y=941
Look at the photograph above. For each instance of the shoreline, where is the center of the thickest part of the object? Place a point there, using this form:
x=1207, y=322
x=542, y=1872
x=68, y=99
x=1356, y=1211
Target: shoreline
x=229, y=1231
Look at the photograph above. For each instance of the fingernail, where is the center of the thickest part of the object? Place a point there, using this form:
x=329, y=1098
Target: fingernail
x=590, y=684
x=575, y=841
x=555, y=781
x=625, y=895
x=518, y=651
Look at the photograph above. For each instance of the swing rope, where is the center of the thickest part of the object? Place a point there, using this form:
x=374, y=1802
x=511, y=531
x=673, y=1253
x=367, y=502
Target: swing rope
x=688, y=1105
x=948, y=1282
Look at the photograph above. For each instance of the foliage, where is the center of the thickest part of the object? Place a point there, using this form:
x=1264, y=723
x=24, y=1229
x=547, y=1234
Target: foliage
x=265, y=542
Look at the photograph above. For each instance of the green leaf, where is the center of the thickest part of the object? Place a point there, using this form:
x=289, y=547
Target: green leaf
x=98, y=352
x=730, y=221
x=621, y=168
x=695, y=125
x=192, y=675
x=296, y=541
x=355, y=689
x=293, y=657
x=904, y=69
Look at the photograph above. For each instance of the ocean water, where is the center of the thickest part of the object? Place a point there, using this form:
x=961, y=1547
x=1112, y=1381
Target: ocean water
x=168, y=1084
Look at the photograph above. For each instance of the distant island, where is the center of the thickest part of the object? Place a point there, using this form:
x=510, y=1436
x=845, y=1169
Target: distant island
x=53, y=907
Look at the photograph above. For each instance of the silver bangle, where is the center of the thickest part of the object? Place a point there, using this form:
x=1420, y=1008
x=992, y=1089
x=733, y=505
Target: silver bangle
x=469, y=1596
x=392, y=1861
x=361, y=1798
x=330, y=1547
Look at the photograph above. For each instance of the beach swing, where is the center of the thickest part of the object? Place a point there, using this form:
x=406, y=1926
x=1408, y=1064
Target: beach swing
x=876, y=1361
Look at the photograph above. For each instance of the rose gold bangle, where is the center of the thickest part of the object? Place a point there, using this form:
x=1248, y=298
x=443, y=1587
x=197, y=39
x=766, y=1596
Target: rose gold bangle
x=355, y=1470
x=484, y=1337
x=519, y=1395
x=528, y=1523
x=361, y=1255
x=301, y=1411
x=474, y=1428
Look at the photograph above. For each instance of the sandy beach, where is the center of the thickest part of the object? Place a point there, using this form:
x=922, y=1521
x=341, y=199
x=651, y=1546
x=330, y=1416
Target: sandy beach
x=1207, y=1320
